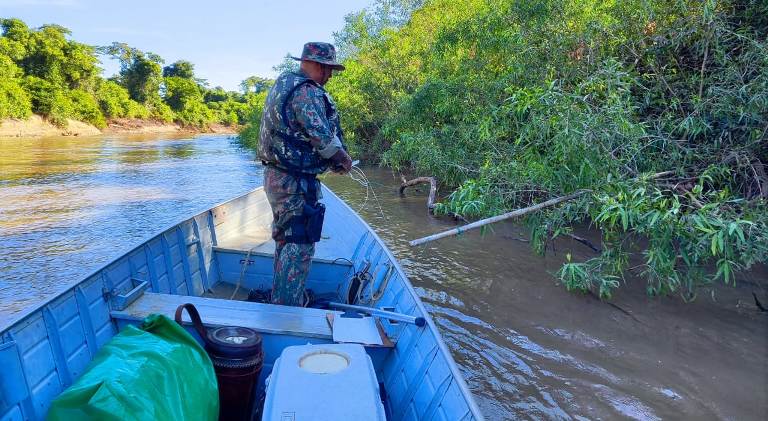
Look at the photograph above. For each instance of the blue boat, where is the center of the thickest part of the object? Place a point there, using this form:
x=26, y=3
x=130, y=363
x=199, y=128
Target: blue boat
x=213, y=260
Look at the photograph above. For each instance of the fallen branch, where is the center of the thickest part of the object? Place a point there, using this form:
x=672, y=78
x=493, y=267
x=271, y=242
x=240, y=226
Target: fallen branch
x=584, y=241
x=419, y=180
x=508, y=215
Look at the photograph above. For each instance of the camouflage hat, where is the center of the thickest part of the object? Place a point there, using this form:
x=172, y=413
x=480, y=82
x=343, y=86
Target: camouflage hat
x=321, y=52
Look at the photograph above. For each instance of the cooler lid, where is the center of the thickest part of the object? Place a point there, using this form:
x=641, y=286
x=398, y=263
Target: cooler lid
x=323, y=382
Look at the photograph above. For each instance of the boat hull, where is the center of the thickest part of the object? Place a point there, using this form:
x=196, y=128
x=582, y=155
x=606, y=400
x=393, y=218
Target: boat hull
x=227, y=248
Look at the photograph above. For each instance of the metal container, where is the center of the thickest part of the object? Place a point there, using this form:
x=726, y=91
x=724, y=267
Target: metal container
x=237, y=357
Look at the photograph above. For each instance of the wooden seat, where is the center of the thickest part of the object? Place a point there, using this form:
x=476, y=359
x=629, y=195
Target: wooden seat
x=264, y=318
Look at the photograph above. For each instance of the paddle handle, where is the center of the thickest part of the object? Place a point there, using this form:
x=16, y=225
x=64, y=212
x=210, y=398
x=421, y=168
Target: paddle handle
x=391, y=315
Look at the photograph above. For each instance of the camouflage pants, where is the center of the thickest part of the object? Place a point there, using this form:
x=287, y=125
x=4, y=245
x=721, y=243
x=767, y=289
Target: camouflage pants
x=292, y=261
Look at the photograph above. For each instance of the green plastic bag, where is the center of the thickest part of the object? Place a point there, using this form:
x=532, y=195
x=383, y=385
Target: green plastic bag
x=157, y=371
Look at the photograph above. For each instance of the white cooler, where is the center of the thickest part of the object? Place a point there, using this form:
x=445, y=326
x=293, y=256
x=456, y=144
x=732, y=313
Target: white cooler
x=323, y=382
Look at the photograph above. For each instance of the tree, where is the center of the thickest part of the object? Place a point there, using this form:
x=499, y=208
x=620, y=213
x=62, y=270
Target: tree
x=256, y=84
x=287, y=65
x=140, y=73
x=180, y=68
x=659, y=108
x=48, y=54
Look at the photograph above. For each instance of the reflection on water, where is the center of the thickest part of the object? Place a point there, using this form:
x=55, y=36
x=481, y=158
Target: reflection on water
x=69, y=205
x=527, y=348
x=42, y=160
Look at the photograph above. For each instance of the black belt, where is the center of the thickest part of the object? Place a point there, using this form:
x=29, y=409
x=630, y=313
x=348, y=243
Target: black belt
x=311, y=192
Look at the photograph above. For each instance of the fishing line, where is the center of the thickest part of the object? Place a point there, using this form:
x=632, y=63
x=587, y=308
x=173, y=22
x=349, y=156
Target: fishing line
x=357, y=175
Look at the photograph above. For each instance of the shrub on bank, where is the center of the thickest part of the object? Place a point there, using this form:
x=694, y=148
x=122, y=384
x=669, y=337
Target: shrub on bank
x=249, y=133
x=659, y=108
x=115, y=102
x=85, y=108
x=14, y=101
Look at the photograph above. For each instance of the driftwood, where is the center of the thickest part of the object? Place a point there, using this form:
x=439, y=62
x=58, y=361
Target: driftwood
x=508, y=215
x=419, y=180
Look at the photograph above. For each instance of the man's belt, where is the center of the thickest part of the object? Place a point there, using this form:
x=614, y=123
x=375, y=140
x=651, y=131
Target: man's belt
x=311, y=191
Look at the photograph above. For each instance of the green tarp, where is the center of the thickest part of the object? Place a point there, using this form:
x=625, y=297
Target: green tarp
x=154, y=372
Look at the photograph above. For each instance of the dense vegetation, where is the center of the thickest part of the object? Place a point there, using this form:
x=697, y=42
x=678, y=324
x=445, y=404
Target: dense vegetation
x=658, y=107
x=44, y=72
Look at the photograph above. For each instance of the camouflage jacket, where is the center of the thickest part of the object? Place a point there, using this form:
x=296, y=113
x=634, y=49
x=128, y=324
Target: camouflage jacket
x=300, y=127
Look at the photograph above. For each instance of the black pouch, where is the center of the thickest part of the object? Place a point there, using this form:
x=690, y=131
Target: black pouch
x=307, y=227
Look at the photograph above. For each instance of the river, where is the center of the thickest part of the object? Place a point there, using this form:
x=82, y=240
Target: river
x=528, y=348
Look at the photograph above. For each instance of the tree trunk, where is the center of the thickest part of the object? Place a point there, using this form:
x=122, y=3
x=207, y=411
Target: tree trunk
x=419, y=180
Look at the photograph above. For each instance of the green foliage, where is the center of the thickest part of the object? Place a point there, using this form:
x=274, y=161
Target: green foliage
x=46, y=53
x=287, y=65
x=160, y=111
x=181, y=68
x=140, y=72
x=85, y=108
x=659, y=108
x=249, y=133
x=185, y=98
x=47, y=73
x=59, y=104
x=256, y=84
x=48, y=100
x=14, y=101
x=116, y=103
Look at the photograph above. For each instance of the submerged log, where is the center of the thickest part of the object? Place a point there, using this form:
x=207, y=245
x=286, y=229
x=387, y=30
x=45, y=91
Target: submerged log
x=419, y=180
x=497, y=218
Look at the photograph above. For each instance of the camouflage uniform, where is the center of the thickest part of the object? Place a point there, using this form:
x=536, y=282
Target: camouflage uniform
x=300, y=131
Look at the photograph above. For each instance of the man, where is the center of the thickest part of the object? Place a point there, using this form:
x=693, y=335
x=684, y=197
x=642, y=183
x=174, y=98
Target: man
x=300, y=137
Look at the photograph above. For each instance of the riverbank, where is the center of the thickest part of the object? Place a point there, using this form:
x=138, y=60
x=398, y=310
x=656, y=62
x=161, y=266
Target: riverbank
x=37, y=127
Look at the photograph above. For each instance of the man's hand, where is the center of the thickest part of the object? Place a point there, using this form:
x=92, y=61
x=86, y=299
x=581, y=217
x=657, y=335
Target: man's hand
x=342, y=162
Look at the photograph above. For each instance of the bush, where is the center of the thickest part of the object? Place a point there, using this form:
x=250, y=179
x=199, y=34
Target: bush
x=160, y=111
x=185, y=97
x=249, y=133
x=84, y=107
x=48, y=100
x=14, y=101
x=659, y=108
x=115, y=102
x=58, y=104
x=195, y=114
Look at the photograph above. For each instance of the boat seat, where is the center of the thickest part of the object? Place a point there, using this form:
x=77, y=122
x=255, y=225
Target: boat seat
x=263, y=318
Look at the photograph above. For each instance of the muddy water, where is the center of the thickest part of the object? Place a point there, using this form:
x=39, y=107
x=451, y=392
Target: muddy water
x=531, y=350
x=528, y=349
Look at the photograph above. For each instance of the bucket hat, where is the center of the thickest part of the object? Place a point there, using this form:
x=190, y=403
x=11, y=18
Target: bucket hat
x=321, y=52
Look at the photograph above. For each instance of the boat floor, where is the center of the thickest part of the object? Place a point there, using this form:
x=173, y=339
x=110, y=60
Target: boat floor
x=227, y=291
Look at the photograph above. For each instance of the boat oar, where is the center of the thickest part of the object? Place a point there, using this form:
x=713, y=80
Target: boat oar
x=391, y=315
x=497, y=218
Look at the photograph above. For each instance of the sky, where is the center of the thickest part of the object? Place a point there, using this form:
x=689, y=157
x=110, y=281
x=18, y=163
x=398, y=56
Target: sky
x=226, y=40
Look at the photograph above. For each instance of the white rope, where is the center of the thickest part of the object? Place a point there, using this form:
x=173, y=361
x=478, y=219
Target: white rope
x=243, y=267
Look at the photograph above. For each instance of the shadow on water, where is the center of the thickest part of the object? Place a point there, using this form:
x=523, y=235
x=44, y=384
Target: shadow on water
x=527, y=348
x=531, y=350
